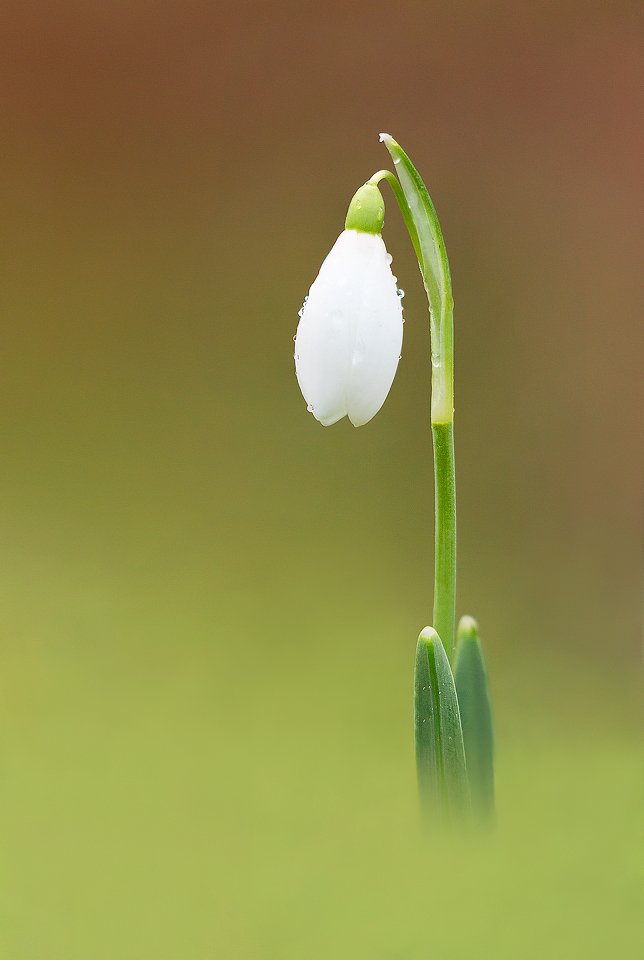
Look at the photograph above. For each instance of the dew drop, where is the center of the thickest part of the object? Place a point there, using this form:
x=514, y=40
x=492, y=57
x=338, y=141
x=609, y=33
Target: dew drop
x=389, y=258
x=299, y=313
x=400, y=293
x=310, y=408
x=435, y=360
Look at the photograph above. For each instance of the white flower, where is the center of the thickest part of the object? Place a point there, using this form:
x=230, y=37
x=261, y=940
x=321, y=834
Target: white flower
x=350, y=331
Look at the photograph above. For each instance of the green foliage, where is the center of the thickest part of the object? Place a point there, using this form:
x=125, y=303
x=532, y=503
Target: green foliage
x=449, y=729
x=470, y=677
x=440, y=757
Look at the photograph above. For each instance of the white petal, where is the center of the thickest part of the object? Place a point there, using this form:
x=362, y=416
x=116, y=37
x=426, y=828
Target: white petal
x=350, y=332
x=327, y=331
x=378, y=337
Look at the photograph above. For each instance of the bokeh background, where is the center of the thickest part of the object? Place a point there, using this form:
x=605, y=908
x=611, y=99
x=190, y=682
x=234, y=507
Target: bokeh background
x=208, y=602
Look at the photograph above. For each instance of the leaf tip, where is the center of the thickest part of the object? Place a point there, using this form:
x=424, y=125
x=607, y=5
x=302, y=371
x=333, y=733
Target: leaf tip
x=468, y=628
x=428, y=634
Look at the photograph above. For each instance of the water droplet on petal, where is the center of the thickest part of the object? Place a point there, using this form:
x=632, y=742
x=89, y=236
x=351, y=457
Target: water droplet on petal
x=310, y=408
x=389, y=258
x=436, y=360
x=400, y=293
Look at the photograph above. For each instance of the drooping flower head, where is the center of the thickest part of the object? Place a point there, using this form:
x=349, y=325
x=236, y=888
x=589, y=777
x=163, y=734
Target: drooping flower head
x=350, y=332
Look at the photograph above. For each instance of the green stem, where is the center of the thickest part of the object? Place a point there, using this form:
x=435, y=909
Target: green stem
x=445, y=534
x=425, y=232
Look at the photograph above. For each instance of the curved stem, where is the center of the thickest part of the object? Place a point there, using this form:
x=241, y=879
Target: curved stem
x=394, y=183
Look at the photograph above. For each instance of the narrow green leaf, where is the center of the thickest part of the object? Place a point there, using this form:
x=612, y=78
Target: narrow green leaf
x=470, y=677
x=440, y=757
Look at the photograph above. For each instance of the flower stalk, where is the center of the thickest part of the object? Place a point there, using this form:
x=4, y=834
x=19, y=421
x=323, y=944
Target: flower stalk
x=425, y=232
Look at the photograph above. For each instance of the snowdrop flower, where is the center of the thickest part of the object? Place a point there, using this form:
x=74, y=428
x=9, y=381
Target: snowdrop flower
x=350, y=332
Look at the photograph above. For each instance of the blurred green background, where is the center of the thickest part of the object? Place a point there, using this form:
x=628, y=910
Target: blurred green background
x=209, y=603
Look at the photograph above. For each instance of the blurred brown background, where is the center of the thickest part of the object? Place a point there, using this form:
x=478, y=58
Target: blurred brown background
x=209, y=603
